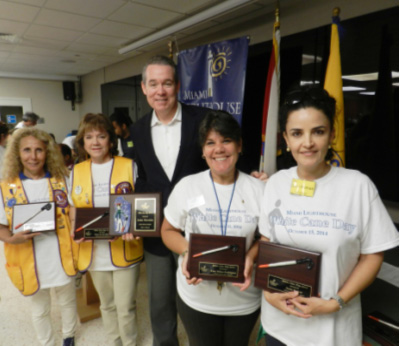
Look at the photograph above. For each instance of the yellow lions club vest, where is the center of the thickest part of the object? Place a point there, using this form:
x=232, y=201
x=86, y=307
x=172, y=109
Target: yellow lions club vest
x=21, y=263
x=123, y=253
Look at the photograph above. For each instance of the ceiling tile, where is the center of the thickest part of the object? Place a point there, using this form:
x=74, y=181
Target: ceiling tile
x=86, y=48
x=92, y=8
x=38, y=3
x=4, y=55
x=64, y=54
x=101, y=40
x=15, y=28
x=144, y=15
x=33, y=50
x=55, y=33
x=109, y=58
x=120, y=29
x=187, y=6
x=44, y=43
x=6, y=47
x=198, y=28
x=17, y=12
x=64, y=20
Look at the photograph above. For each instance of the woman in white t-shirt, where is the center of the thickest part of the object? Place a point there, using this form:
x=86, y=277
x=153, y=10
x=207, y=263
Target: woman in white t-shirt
x=38, y=263
x=114, y=265
x=220, y=201
x=338, y=213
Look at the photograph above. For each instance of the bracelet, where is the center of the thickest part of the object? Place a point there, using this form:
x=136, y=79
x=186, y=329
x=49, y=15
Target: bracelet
x=340, y=301
x=184, y=253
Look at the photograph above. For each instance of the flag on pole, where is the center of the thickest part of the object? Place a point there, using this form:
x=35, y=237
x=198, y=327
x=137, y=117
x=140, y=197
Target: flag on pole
x=333, y=84
x=270, y=106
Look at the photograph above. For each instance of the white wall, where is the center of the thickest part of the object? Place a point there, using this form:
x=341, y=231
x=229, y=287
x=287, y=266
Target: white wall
x=47, y=101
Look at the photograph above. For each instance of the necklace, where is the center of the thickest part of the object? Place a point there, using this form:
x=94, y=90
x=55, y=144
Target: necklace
x=220, y=284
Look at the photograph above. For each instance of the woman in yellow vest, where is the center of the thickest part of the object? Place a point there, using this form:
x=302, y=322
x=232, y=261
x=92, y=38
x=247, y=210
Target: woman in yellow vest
x=34, y=172
x=113, y=265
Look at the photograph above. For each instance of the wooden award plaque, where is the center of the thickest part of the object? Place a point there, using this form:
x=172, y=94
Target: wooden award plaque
x=283, y=276
x=34, y=217
x=86, y=226
x=146, y=214
x=216, y=257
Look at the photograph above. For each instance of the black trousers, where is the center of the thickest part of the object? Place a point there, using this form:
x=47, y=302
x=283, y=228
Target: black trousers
x=214, y=330
x=271, y=341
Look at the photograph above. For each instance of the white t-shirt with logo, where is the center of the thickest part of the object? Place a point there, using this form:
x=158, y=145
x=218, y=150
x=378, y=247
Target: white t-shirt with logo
x=193, y=208
x=344, y=218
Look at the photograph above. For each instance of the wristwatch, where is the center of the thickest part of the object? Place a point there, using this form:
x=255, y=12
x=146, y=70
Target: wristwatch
x=339, y=300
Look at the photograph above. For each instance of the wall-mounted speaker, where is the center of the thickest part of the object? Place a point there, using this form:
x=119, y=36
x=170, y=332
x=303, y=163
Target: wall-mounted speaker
x=69, y=90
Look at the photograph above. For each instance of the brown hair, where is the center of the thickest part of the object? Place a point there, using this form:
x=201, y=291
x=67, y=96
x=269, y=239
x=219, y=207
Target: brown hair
x=97, y=122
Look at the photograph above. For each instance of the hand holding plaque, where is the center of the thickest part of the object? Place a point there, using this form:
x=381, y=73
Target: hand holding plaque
x=218, y=258
x=283, y=269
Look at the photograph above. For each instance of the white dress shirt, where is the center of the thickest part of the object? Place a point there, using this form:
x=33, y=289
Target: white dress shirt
x=166, y=141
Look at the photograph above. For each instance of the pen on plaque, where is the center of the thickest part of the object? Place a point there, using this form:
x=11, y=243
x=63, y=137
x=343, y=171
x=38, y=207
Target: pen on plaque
x=92, y=221
x=45, y=207
x=227, y=247
x=384, y=322
x=284, y=263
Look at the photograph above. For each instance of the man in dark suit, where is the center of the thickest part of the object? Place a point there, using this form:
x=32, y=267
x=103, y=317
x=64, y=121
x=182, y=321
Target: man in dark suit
x=167, y=149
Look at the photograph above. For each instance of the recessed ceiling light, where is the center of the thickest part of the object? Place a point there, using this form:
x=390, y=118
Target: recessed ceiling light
x=352, y=88
x=367, y=76
x=309, y=59
x=309, y=82
x=367, y=93
x=9, y=37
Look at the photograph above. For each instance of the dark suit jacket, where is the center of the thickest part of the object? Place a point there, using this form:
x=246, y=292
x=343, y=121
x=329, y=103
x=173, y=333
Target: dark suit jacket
x=152, y=177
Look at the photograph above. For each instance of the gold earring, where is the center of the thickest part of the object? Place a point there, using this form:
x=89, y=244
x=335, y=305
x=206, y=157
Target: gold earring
x=329, y=146
x=288, y=149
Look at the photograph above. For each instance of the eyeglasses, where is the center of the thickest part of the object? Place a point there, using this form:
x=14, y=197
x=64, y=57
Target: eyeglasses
x=297, y=96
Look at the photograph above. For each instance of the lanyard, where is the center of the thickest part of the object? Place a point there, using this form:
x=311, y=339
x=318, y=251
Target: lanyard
x=224, y=230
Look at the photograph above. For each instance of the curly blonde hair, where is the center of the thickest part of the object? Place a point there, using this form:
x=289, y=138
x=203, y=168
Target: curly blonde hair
x=12, y=164
x=97, y=122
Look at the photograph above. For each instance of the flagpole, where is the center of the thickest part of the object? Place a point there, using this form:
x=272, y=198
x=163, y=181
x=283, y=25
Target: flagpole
x=333, y=84
x=268, y=156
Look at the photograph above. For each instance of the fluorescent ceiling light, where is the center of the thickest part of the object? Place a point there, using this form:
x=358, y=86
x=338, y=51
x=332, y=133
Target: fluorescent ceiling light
x=367, y=93
x=367, y=76
x=310, y=59
x=39, y=76
x=309, y=82
x=352, y=88
x=184, y=24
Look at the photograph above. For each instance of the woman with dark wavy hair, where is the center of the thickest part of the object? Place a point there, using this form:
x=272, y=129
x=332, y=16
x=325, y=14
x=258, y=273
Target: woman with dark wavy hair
x=39, y=262
x=327, y=209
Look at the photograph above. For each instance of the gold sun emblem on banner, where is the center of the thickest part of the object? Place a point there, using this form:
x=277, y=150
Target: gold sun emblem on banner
x=220, y=63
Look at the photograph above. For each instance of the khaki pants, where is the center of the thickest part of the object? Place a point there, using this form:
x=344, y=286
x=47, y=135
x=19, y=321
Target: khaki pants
x=117, y=291
x=41, y=312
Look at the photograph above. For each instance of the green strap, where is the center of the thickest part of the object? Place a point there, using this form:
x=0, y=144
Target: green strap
x=261, y=334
